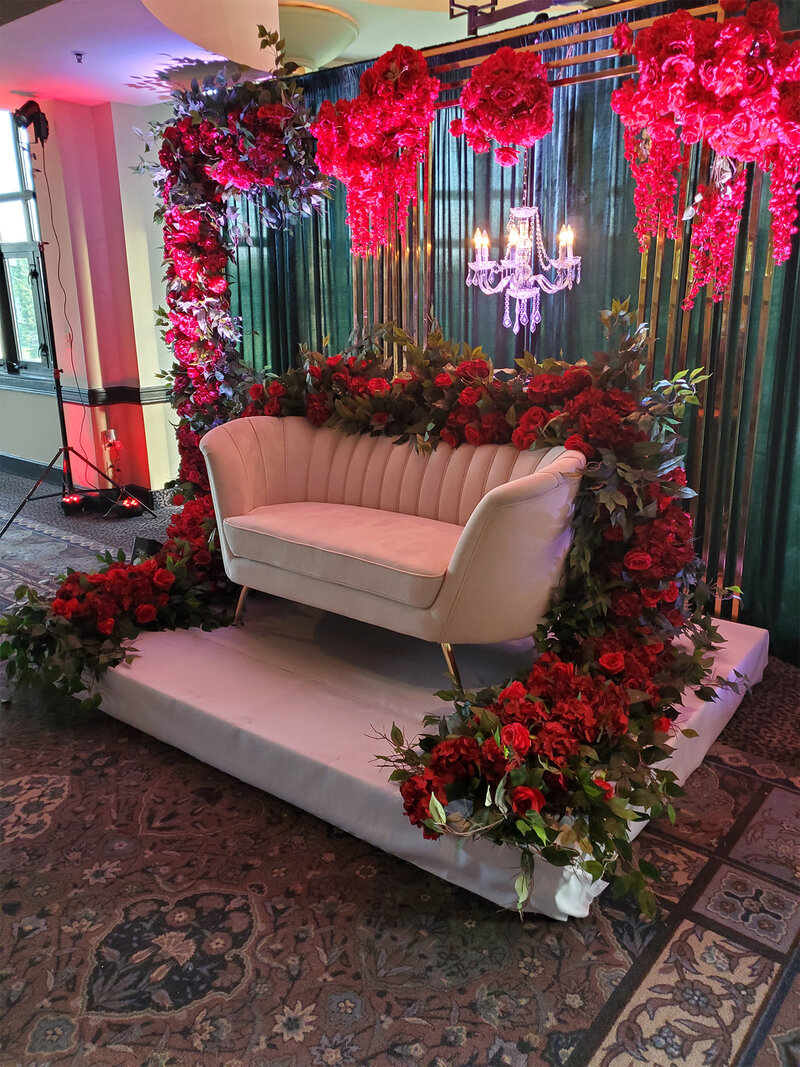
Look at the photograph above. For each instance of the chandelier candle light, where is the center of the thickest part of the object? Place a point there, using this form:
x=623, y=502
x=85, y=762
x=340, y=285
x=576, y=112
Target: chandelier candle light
x=517, y=274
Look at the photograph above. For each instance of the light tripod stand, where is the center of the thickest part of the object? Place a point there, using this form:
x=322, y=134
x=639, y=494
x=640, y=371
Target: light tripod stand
x=72, y=501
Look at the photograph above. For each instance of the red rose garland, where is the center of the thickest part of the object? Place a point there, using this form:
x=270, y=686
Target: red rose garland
x=735, y=85
x=245, y=138
x=373, y=144
x=507, y=99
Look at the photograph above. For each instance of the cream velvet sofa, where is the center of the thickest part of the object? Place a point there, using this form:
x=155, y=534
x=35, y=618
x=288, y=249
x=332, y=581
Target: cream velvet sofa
x=464, y=545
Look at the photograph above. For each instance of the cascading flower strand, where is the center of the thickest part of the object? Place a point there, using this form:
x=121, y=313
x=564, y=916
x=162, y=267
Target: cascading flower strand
x=734, y=85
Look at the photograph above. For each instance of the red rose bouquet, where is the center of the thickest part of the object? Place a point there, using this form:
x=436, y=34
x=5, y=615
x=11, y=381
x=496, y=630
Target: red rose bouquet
x=508, y=100
x=373, y=144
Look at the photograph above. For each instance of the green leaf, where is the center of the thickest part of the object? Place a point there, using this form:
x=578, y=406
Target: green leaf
x=649, y=871
x=437, y=811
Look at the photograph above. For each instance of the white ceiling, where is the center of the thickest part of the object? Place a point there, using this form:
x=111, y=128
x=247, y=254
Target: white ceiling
x=123, y=46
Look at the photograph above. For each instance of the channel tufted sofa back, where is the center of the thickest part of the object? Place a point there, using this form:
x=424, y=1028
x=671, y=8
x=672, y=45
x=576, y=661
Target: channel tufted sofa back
x=289, y=460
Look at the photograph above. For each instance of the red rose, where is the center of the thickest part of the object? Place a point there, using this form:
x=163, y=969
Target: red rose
x=105, y=626
x=526, y=798
x=627, y=605
x=493, y=762
x=468, y=396
x=670, y=594
x=276, y=389
x=178, y=499
x=163, y=578
x=377, y=385
x=638, y=561
x=516, y=737
x=472, y=433
x=455, y=758
x=515, y=691
x=607, y=787
x=416, y=794
x=202, y=558
x=662, y=725
x=443, y=380
x=575, y=443
x=448, y=437
x=317, y=411
x=144, y=613
x=64, y=608
x=506, y=155
x=612, y=662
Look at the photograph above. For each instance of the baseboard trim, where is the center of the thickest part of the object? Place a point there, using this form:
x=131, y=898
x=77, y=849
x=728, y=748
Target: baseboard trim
x=29, y=468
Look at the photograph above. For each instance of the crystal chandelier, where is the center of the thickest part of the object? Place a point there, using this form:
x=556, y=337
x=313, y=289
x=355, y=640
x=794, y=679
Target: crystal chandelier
x=517, y=274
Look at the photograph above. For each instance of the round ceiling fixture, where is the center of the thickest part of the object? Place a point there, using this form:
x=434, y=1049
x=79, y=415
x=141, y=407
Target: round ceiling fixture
x=227, y=30
x=315, y=34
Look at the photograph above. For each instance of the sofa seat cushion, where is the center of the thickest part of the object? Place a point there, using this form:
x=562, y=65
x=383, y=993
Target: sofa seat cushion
x=400, y=557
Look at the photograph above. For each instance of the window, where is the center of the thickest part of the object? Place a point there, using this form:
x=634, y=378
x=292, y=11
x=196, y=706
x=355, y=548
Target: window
x=24, y=314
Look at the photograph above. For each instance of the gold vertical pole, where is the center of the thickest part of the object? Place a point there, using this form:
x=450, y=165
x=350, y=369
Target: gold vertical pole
x=354, y=260
x=641, y=312
x=655, y=296
x=397, y=280
x=677, y=267
x=758, y=371
x=733, y=415
x=365, y=261
x=427, y=238
x=416, y=279
x=377, y=309
x=729, y=419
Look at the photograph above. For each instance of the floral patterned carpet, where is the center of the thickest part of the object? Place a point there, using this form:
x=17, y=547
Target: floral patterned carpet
x=158, y=912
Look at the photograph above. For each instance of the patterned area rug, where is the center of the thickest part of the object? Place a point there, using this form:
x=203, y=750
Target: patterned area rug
x=158, y=912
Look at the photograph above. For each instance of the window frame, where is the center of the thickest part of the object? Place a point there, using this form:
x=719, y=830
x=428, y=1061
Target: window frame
x=14, y=368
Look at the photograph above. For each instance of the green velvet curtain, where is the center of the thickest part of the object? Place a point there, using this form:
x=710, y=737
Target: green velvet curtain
x=743, y=445
x=295, y=287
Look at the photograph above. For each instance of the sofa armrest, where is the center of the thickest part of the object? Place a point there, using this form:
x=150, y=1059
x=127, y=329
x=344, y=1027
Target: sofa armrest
x=510, y=556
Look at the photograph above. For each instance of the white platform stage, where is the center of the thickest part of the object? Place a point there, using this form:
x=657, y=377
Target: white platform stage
x=287, y=701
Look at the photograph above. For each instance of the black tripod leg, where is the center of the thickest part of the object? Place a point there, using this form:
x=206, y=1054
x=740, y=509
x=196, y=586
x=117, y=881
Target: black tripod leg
x=30, y=492
x=117, y=486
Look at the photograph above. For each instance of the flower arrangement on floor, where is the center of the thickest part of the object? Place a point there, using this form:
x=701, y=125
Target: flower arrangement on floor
x=373, y=144
x=227, y=138
x=734, y=85
x=508, y=100
x=70, y=640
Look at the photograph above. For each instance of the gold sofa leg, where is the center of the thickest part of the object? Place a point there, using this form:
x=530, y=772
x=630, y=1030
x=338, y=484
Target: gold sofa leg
x=450, y=660
x=240, y=604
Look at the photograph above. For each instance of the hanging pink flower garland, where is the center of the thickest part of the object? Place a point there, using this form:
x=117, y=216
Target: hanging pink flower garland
x=735, y=85
x=507, y=99
x=373, y=144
